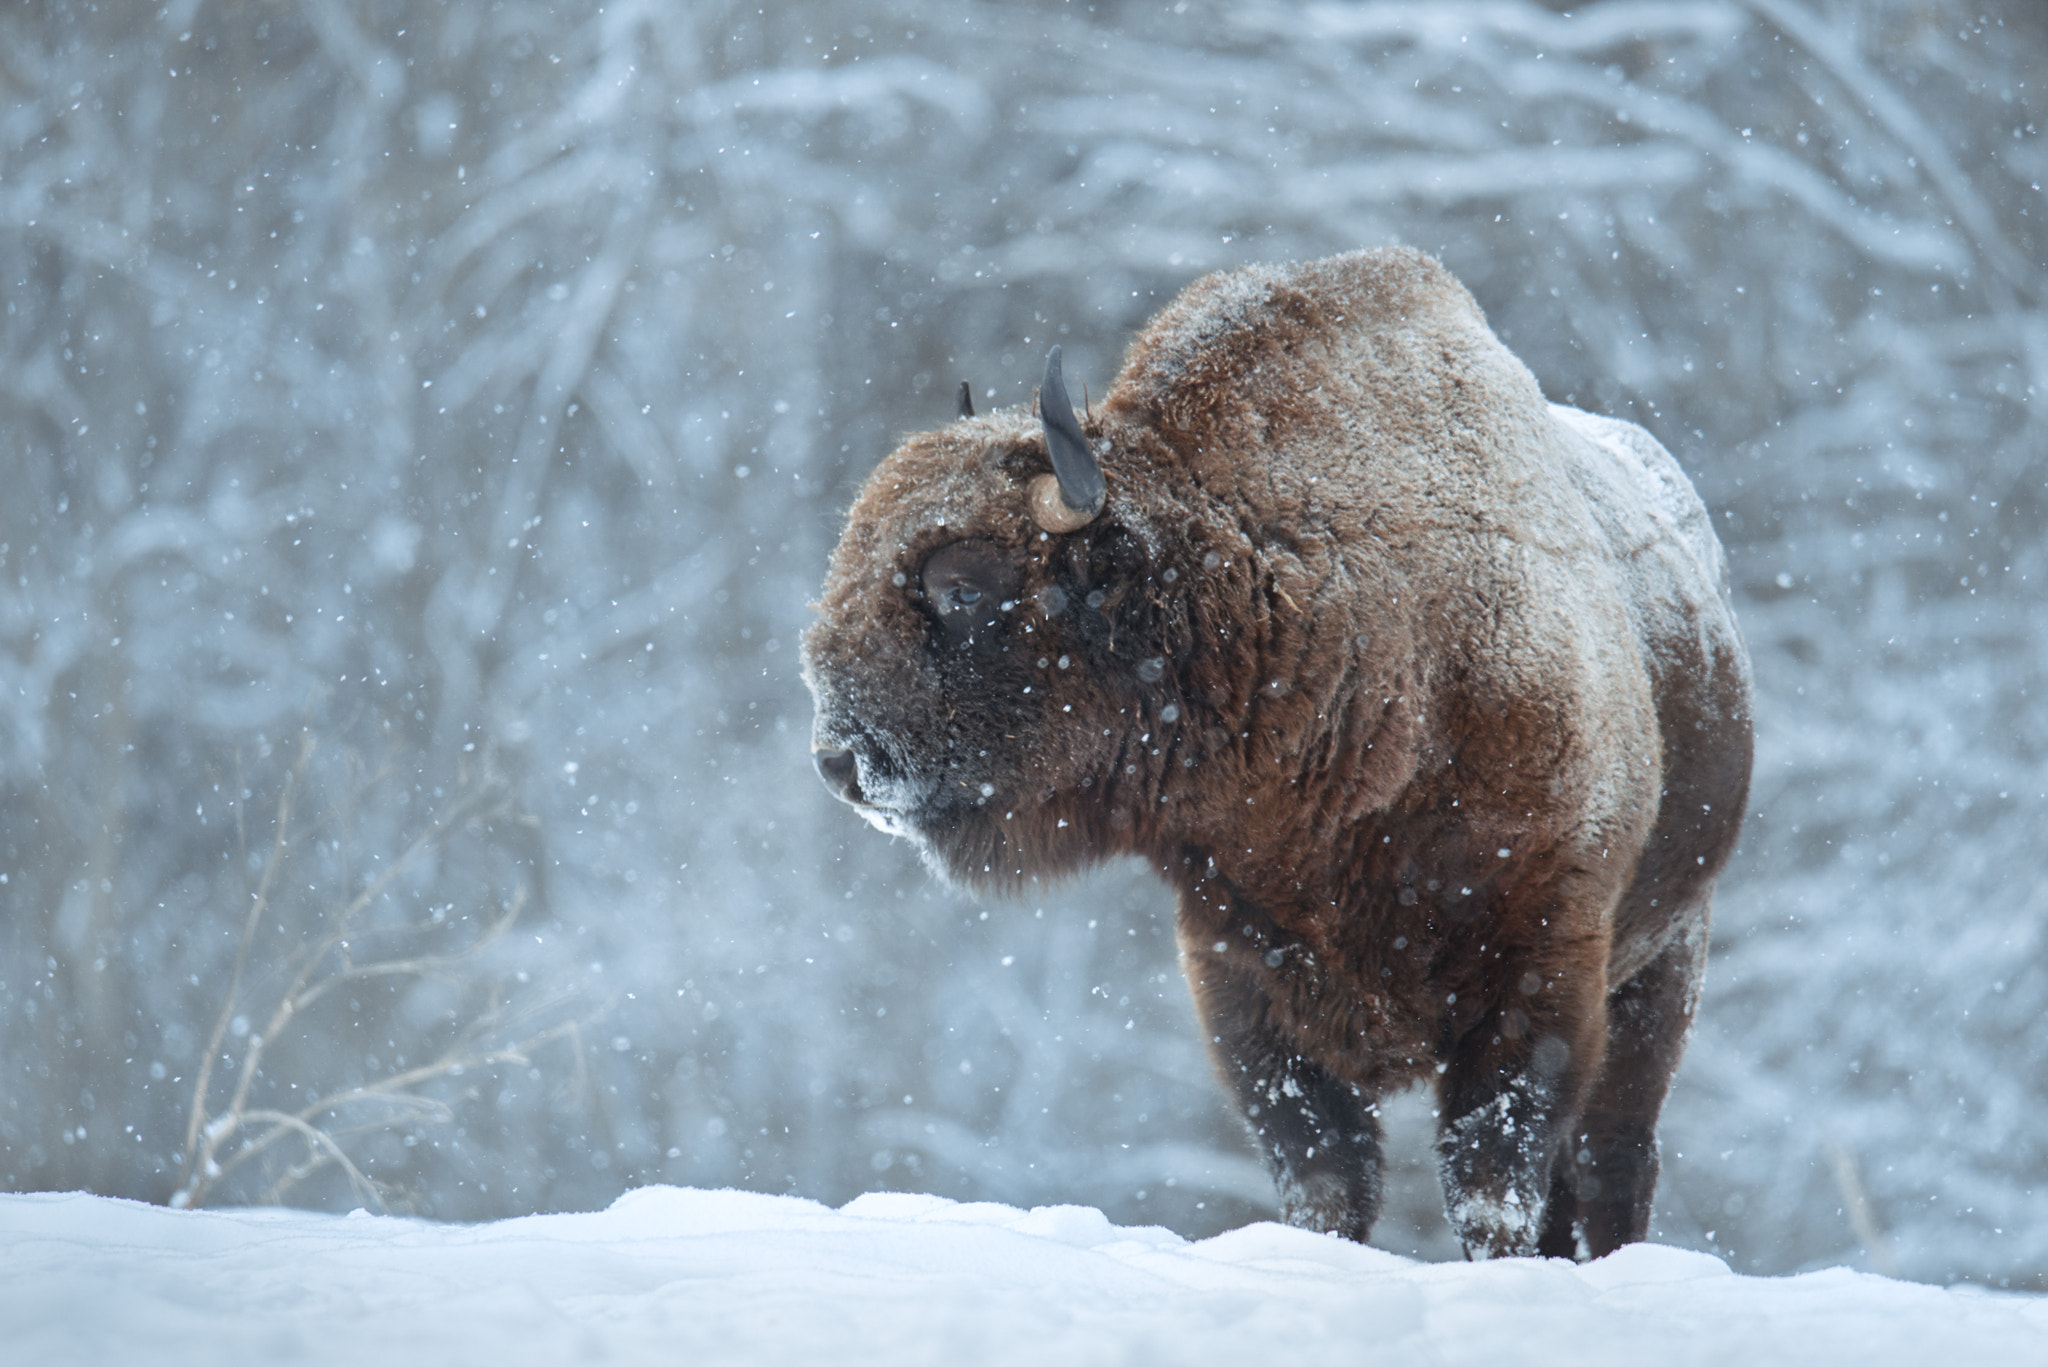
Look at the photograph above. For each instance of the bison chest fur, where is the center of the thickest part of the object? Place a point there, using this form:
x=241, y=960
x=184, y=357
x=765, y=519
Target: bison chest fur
x=1423, y=694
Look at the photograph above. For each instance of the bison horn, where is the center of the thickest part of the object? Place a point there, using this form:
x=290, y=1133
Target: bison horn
x=1074, y=493
x=966, y=399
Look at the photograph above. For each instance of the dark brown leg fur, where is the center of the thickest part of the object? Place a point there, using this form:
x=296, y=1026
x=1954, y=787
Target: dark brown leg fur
x=1319, y=1138
x=1610, y=1169
x=1507, y=1105
x=1560, y=1237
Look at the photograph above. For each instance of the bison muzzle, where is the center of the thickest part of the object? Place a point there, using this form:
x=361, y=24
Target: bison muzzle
x=1424, y=694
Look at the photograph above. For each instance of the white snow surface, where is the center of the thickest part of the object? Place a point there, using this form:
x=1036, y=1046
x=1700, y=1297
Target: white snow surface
x=676, y=1275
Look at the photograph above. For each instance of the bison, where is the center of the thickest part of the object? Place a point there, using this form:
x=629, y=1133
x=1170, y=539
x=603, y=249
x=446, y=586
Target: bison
x=1424, y=694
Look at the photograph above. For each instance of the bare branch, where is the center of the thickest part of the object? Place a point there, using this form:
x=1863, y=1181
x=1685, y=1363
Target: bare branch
x=280, y=841
x=324, y=1143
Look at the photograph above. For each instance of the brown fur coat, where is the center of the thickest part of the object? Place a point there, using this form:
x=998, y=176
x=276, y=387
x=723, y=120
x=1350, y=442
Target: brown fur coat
x=1425, y=695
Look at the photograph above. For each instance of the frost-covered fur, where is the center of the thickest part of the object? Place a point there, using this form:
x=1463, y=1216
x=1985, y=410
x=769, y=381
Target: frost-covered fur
x=1424, y=694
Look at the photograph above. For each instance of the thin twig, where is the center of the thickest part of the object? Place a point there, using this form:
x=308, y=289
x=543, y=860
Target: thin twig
x=258, y=903
x=1856, y=1204
x=315, y=1136
x=422, y=965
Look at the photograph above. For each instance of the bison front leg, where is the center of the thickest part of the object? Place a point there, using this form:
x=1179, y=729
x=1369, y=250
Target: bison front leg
x=1318, y=1136
x=1510, y=1095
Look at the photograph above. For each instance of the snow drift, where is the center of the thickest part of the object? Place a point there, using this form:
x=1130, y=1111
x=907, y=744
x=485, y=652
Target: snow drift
x=677, y=1275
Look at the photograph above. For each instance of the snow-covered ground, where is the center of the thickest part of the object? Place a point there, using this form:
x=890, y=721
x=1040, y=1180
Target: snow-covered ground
x=683, y=1276
x=472, y=392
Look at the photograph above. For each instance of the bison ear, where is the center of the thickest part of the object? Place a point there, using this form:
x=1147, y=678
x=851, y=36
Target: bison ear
x=1074, y=493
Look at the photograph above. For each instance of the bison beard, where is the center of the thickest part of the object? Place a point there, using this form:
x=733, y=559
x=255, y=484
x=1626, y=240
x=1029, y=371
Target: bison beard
x=1424, y=694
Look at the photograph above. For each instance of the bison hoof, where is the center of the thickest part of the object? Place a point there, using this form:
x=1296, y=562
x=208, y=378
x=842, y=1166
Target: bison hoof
x=1326, y=1203
x=1506, y=1225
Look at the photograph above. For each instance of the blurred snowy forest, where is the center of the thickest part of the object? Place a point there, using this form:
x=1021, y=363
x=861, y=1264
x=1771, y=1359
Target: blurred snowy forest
x=423, y=426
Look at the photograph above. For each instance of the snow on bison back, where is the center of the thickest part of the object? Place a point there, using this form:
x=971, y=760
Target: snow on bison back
x=1424, y=694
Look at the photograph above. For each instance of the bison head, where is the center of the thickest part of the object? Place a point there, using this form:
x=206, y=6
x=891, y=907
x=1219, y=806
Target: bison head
x=992, y=662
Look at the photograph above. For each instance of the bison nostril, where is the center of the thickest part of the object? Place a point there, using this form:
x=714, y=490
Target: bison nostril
x=836, y=767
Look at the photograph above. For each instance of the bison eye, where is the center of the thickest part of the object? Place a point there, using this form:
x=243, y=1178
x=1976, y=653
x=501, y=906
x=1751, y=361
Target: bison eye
x=964, y=584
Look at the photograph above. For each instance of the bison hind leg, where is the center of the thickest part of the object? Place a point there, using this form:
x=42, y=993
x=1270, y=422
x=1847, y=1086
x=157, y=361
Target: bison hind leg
x=1606, y=1174
x=1561, y=1236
